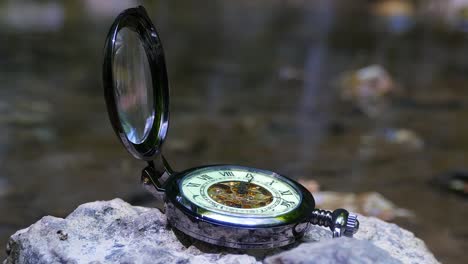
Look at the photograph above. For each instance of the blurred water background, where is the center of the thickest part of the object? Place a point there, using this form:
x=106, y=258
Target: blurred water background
x=257, y=83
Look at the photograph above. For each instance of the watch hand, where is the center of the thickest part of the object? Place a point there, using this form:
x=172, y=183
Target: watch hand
x=244, y=186
x=242, y=189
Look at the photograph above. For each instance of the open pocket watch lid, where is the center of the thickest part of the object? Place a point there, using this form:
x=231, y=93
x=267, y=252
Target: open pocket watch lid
x=135, y=84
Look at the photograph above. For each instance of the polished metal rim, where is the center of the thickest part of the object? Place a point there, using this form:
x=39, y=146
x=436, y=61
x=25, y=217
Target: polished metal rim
x=138, y=21
x=301, y=213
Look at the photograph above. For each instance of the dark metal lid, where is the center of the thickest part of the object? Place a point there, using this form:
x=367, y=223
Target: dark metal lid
x=135, y=84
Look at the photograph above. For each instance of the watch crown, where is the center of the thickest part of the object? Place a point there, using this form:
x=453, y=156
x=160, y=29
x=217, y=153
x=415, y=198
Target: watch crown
x=340, y=221
x=352, y=225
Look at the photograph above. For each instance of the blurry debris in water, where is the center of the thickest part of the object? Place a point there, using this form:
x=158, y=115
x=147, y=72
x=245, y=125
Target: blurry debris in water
x=454, y=181
x=33, y=15
x=290, y=73
x=370, y=81
x=368, y=204
x=395, y=16
x=43, y=134
x=388, y=8
x=25, y=113
x=451, y=13
x=5, y=187
x=36, y=106
x=249, y=124
x=311, y=185
x=368, y=88
x=30, y=117
x=194, y=147
x=404, y=137
x=25, y=119
x=336, y=128
x=389, y=143
x=100, y=10
x=178, y=145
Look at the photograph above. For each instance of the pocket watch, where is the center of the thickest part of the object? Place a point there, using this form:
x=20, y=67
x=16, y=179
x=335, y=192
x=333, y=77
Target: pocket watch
x=226, y=205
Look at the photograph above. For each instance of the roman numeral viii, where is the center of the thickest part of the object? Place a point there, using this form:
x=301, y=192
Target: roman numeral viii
x=191, y=184
x=226, y=173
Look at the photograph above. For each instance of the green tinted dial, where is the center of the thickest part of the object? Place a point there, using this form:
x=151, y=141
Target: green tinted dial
x=240, y=191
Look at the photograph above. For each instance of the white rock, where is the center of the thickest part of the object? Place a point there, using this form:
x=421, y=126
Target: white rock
x=116, y=232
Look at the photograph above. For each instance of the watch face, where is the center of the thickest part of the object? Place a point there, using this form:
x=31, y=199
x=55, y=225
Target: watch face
x=240, y=191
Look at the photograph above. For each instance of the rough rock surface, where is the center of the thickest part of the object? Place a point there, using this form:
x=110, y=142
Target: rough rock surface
x=116, y=232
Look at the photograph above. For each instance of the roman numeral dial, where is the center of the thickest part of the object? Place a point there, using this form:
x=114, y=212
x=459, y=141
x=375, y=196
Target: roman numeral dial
x=242, y=191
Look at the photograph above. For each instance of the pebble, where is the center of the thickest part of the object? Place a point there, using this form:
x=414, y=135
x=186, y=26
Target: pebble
x=454, y=181
x=367, y=88
x=396, y=16
x=452, y=14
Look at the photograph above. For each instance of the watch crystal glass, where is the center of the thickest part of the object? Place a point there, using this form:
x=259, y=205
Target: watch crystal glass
x=133, y=86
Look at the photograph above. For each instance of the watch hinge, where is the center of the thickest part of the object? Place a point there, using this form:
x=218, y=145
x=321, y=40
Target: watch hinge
x=155, y=174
